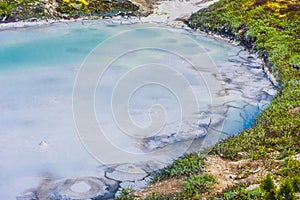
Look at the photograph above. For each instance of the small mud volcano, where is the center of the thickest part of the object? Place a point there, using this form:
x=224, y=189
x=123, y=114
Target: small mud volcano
x=71, y=189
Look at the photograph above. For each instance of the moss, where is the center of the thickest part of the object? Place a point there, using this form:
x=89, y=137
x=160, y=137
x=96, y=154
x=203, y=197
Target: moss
x=268, y=187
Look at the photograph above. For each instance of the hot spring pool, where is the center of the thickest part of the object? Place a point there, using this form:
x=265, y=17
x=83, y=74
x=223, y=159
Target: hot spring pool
x=101, y=100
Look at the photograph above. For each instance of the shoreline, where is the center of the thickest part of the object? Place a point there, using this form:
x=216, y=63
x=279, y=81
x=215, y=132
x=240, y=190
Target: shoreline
x=195, y=33
x=161, y=13
x=132, y=20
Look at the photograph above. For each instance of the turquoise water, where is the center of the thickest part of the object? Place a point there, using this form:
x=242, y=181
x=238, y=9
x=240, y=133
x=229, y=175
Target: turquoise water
x=38, y=70
x=51, y=50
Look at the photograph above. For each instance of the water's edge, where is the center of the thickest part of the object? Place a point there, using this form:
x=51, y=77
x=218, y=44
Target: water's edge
x=113, y=180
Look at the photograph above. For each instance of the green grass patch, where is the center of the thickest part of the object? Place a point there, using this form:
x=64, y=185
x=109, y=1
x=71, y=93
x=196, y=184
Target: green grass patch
x=272, y=28
x=195, y=186
x=188, y=165
x=240, y=192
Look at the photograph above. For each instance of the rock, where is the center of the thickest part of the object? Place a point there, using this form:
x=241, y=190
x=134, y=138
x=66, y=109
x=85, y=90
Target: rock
x=251, y=187
x=135, y=185
x=127, y=172
x=156, y=142
x=270, y=91
x=242, y=154
x=204, y=119
x=255, y=171
x=191, y=131
x=28, y=195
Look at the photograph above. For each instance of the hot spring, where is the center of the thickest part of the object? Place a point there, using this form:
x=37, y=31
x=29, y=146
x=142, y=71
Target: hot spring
x=115, y=102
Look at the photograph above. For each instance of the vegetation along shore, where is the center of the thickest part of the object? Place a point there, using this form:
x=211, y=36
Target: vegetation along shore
x=14, y=10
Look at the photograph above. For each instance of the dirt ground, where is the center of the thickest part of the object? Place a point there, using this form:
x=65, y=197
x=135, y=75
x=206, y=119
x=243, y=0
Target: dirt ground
x=227, y=173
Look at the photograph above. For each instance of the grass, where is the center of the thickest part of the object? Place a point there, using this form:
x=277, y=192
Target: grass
x=195, y=186
x=272, y=28
x=240, y=192
x=188, y=165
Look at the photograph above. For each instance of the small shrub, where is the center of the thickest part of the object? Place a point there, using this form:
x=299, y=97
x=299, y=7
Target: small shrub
x=286, y=191
x=268, y=187
x=196, y=185
x=190, y=164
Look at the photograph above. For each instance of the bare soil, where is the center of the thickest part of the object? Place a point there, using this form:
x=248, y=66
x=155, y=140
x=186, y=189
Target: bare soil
x=166, y=187
x=228, y=173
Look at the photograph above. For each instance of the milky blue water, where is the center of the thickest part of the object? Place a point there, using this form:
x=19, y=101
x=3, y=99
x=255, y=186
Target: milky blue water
x=38, y=70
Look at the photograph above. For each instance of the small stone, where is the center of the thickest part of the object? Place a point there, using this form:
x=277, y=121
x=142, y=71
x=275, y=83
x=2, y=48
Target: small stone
x=296, y=157
x=270, y=91
x=242, y=154
x=43, y=144
x=251, y=187
x=135, y=185
x=255, y=171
